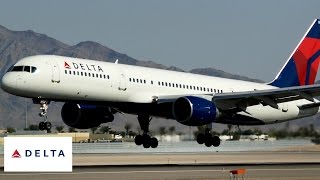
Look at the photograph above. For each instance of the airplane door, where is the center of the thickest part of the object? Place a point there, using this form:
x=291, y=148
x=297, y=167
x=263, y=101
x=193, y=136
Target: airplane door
x=55, y=72
x=122, y=83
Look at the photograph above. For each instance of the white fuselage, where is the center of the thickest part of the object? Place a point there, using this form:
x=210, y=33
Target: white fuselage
x=67, y=79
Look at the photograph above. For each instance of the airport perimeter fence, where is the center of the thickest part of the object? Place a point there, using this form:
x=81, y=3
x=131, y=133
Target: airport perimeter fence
x=181, y=147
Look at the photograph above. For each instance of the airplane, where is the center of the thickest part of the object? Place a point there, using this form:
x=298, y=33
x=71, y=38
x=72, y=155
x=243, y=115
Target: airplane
x=93, y=91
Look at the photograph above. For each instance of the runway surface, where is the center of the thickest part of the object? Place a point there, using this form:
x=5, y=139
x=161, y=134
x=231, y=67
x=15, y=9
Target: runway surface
x=185, y=166
x=287, y=171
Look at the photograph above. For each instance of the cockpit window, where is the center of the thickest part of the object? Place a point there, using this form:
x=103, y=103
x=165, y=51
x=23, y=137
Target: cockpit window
x=29, y=69
x=26, y=68
x=33, y=69
x=17, y=68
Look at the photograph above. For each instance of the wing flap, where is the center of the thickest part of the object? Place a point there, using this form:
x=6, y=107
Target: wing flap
x=310, y=105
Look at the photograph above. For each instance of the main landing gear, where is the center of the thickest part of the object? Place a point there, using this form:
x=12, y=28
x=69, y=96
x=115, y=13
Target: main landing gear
x=45, y=124
x=145, y=139
x=207, y=139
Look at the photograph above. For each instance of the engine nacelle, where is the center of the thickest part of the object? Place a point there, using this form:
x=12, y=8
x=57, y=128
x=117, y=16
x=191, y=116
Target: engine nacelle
x=85, y=116
x=194, y=111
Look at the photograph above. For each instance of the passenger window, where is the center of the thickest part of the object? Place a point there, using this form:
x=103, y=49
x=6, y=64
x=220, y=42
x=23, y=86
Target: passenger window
x=144, y=81
x=108, y=77
x=169, y=84
x=74, y=73
x=85, y=74
x=65, y=71
x=78, y=73
x=129, y=79
x=159, y=83
x=97, y=75
x=133, y=80
x=69, y=72
x=100, y=75
x=104, y=76
x=81, y=73
x=151, y=82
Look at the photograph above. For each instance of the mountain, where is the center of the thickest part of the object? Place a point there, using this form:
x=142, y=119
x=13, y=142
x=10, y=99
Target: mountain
x=220, y=73
x=15, y=45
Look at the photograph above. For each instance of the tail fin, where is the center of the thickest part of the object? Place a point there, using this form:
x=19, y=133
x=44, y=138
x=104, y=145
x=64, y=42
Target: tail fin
x=302, y=66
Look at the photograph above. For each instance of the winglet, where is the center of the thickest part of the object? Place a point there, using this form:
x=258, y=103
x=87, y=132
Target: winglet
x=302, y=66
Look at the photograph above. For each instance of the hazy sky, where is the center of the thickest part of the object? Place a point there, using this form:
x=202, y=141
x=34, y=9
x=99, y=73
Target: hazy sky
x=249, y=37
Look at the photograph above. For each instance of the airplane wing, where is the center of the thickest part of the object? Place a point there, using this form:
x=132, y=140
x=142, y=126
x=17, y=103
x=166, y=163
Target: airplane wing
x=269, y=97
x=238, y=101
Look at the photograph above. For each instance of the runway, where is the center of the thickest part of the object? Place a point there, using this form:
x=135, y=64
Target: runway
x=284, y=164
x=201, y=172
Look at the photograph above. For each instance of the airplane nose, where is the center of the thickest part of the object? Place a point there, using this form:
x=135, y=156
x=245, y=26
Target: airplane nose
x=8, y=82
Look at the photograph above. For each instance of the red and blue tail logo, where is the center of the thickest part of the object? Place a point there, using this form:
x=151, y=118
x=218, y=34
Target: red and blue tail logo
x=302, y=66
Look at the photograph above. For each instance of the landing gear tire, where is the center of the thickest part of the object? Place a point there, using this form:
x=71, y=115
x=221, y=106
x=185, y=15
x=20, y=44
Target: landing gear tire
x=154, y=142
x=41, y=126
x=146, y=141
x=200, y=138
x=47, y=126
x=138, y=140
x=208, y=140
x=215, y=141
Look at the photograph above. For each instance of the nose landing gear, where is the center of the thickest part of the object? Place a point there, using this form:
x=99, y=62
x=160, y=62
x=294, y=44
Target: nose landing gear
x=145, y=139
x=45, y=124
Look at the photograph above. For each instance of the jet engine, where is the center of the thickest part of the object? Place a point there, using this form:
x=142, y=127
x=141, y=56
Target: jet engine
x=194, y=111
x=85, y=116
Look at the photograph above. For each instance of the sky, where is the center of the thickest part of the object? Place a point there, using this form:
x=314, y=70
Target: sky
x=248, y=37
